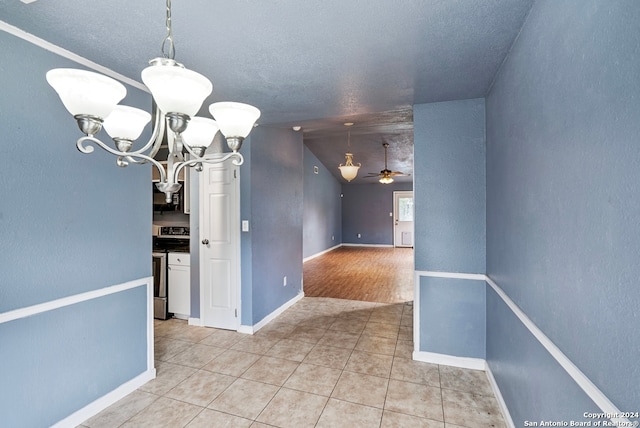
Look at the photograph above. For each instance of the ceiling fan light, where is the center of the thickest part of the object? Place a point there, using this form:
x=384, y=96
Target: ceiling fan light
x=385, y=179
x=235, y=120
x=200, y=132
x=85, y=92
x=176, y=89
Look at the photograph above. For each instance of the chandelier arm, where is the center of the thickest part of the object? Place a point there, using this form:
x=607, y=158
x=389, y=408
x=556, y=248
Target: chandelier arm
x=175, y=144
x=130, y=159
x=155, y=141
x=211, y=159
x=128, y=155
x=190, y=150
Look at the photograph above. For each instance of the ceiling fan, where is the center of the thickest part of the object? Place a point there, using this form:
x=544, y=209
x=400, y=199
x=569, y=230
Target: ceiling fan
x=386, y=175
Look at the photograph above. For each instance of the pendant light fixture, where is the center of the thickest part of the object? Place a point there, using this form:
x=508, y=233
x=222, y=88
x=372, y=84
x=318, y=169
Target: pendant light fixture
x=178, y=94
x=349, y=171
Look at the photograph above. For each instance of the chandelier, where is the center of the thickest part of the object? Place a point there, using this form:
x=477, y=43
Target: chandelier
x=349, y=170
x=178, y=94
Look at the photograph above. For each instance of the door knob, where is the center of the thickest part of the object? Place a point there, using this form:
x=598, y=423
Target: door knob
x=205, y=241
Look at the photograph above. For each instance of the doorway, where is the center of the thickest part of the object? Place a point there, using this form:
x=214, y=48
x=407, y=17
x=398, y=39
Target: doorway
x=403, y=219
x=372, y=274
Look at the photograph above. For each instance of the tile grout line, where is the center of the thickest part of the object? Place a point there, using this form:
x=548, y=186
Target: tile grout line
x=333, y=313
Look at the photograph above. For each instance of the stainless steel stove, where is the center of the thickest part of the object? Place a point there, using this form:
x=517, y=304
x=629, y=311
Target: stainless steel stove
x=166, y=239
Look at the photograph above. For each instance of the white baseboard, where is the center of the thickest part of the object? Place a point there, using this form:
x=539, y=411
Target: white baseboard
x=246, y=329
x=181, y=317
x=367, y=245
x=321, y=253
x=449, y=360
x=306, y=259
x=195, y=321
x=496, y=391
x=105, y=401
x=252, y=329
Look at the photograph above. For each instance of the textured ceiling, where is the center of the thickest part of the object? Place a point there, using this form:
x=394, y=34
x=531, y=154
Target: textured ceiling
x=316, y=64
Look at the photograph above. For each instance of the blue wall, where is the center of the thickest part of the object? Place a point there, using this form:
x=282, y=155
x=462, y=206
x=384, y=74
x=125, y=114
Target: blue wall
x=452, y=316
x=563, y=236
x=322, y=207
x=365, y=210
x=535, y=386
x=272, y=201
x=449, y=150
x=55, y=362
x=246, y=244
x=69, y=223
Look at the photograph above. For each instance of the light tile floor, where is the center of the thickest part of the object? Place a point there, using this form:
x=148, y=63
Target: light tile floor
x=323, y=363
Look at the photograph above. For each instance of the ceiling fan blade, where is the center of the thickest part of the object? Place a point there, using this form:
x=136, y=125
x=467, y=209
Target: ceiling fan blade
x=386, y=172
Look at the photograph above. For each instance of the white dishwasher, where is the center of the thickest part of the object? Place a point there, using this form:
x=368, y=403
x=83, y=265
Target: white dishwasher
x=179, y=284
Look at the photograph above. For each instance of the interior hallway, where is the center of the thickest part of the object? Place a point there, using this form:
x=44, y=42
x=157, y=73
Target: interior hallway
x=372, y=274
x=322, y=363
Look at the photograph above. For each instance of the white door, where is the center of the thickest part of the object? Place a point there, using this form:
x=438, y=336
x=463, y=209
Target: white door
x=219, y=245
x=403, y=219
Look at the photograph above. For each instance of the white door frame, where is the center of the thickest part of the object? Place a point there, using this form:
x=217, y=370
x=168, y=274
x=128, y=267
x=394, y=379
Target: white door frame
x=396, y=195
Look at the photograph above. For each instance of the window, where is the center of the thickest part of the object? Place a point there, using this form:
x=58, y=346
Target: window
x=405, y=209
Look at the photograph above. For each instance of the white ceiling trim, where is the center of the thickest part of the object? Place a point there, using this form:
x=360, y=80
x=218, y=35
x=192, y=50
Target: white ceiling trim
x=28, y=37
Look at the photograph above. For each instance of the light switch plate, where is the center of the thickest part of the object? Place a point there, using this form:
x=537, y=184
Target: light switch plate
x=245, y=225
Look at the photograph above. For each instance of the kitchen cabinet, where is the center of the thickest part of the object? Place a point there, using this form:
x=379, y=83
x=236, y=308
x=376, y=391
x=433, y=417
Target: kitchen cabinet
x=179, y=283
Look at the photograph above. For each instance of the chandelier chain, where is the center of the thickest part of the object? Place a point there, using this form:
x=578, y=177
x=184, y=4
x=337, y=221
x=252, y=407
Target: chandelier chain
x=168, y=48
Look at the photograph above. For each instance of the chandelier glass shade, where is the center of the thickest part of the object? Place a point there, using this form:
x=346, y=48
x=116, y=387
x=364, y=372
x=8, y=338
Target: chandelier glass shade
x=349, y=171
x=178, y=94
x=176, y=89
x=126, y=122
x=200, y=132
x=85, y=92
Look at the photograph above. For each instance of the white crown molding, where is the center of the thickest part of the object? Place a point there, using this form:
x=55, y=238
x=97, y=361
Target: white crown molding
x=28, y=37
